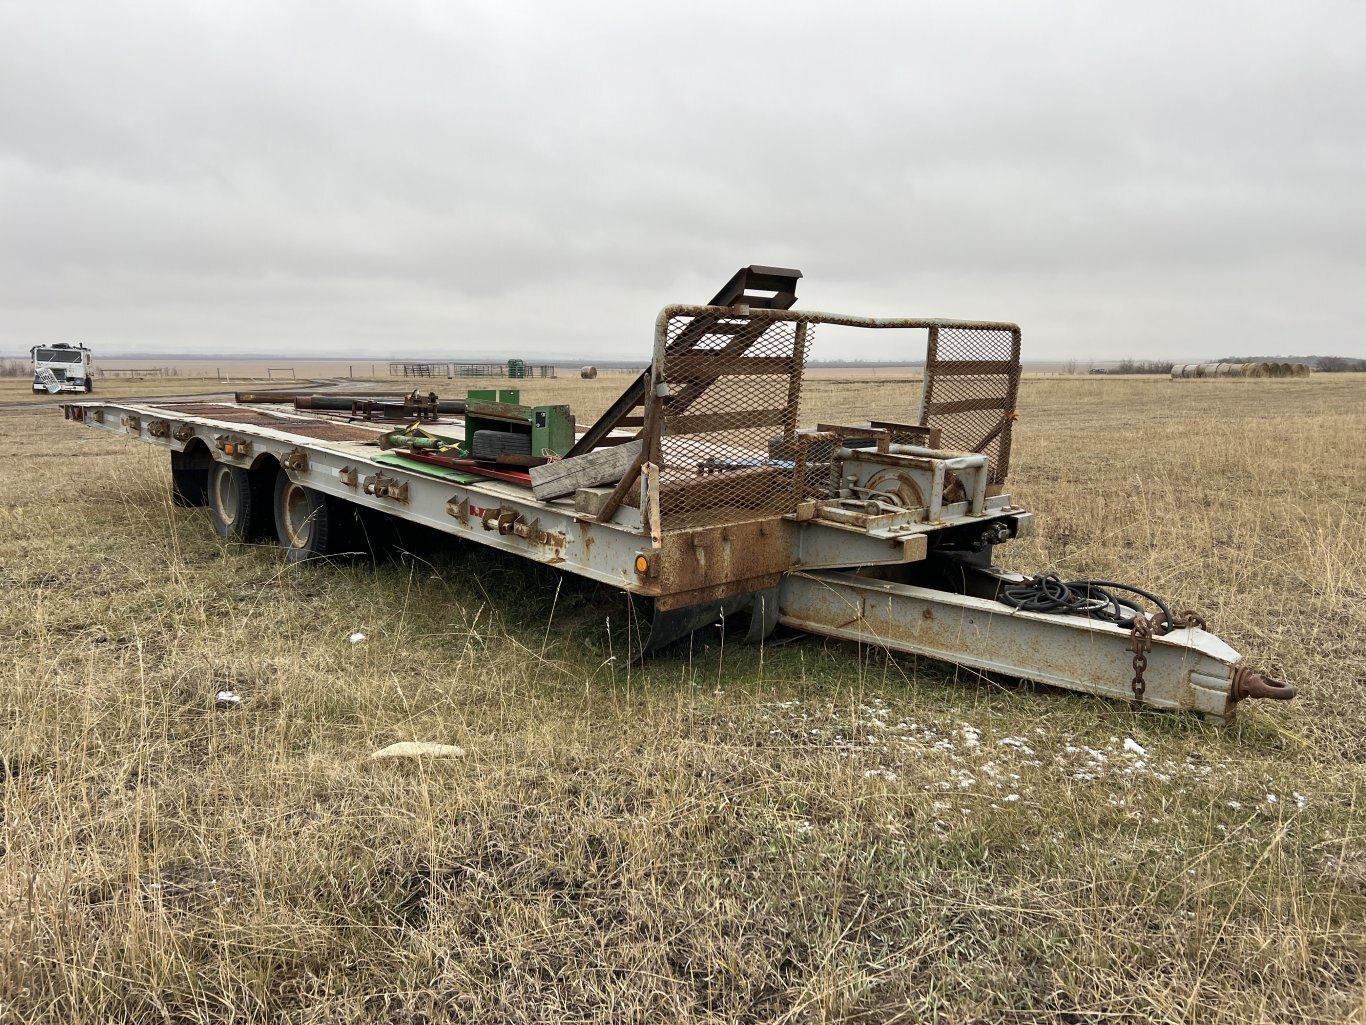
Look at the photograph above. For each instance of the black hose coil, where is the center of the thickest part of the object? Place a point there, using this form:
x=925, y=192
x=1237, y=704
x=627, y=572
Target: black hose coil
x=1093, y=598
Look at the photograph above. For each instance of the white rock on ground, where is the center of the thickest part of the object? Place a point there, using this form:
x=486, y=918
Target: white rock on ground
x=417, y=749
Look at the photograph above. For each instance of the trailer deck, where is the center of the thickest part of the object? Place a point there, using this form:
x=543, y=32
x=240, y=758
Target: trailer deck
x=698, y=491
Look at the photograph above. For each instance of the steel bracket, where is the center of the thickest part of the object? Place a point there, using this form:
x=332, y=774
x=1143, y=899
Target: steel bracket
x=385, y=487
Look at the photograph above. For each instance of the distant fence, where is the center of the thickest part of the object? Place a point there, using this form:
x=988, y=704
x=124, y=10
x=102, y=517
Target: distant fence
x=512, y=368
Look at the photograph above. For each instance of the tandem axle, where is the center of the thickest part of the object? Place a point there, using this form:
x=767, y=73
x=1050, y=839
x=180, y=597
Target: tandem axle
x=698, y=491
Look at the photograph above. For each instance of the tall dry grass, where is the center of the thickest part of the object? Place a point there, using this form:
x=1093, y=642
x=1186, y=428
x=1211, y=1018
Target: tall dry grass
x=804, y=833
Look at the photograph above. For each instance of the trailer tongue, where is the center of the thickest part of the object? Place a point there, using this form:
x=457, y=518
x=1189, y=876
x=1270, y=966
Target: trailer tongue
x=698, y=491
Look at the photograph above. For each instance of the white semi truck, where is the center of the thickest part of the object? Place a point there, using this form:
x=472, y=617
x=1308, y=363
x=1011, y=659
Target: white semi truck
x=61, y=367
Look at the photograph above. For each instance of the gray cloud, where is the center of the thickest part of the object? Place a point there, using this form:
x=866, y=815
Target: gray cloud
x=1174, y=180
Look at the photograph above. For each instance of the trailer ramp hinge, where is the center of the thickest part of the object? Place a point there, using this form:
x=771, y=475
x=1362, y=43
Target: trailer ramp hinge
x=132, y=424
x=459, y=509
x=348, y=476
x=97, y=415
x=295, y=461
x=385, y=487
x=158, y=429
x=183, y=433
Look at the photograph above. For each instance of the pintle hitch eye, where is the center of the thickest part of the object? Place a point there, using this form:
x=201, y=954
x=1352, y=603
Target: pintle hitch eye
x=1248, y=684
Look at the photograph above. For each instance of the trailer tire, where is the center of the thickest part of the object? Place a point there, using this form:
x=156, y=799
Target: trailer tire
x=239, y=503
x=190, y=477
x=309, y=524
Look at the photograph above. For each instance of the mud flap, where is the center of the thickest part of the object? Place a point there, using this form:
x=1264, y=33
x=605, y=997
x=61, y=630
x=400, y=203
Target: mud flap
x=676, y=626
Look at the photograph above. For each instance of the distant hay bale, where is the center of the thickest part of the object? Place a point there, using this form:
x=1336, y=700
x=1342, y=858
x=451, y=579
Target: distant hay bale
x=588, y=373
x=1300, y=369
x=1255, y=370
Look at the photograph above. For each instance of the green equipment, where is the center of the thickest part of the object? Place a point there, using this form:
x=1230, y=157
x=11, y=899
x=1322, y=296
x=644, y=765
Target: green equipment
x=527, y=430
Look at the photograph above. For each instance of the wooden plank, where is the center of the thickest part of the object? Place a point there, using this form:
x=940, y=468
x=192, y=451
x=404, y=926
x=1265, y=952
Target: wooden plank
x=740, y=420
x=927, y=437
x=589, y=500
x=627, y=485
x=601, y=466
x=897, y=425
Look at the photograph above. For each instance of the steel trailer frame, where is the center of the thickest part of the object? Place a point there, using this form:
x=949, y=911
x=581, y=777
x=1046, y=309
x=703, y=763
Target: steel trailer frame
x=845, y=531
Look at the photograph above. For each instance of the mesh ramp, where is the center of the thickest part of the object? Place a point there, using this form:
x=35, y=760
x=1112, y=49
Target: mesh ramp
x=730, y=385
x=972, y=381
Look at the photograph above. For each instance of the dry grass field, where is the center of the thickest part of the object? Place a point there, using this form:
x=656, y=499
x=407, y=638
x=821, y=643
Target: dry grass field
x=804, y=833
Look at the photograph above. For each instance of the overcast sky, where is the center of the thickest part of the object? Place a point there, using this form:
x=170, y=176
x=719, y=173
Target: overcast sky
x=1176, y=180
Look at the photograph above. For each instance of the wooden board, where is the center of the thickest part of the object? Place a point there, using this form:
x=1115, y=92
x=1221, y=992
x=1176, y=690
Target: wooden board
x=601, y=466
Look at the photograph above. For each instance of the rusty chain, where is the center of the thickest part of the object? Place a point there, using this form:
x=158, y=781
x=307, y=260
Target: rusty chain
x=1181, y=621
x=1141, y=635
x=1145, y=628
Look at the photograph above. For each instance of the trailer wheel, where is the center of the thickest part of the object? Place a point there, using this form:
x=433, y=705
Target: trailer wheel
x=190, y=476
x=239, y=503
x=308, y=523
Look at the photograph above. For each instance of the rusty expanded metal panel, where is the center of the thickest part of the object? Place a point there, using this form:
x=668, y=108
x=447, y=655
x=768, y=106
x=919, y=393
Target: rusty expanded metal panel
x=817, y=470
x=733, y=388
x=972, y=379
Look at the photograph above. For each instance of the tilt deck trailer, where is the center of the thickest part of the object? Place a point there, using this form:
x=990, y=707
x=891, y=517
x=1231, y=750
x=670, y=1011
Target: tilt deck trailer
x=698, y=492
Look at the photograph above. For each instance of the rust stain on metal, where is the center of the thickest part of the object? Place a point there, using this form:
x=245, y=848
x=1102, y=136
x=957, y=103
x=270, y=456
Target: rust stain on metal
x=723, y=560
